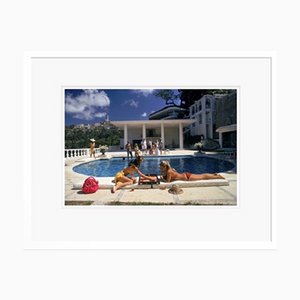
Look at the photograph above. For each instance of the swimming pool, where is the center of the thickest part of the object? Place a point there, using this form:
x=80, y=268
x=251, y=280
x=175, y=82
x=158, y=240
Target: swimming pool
x=150, y=165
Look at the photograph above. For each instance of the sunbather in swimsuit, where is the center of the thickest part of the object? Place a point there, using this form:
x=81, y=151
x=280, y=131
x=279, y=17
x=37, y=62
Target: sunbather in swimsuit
x=169, y=174
x=121, y=178
x=188, y=175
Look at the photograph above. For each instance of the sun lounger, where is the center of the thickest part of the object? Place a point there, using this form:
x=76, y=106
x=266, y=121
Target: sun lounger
x=162, y=185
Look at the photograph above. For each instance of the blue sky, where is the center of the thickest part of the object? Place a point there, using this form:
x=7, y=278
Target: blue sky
x=91, y=105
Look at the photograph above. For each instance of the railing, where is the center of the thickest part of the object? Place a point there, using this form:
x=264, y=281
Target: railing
x=73, y=153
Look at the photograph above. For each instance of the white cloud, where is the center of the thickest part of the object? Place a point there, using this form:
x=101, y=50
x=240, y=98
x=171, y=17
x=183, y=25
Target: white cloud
x=132, y=103
x=144, y=114
x=145, y=92
x=100, y=115
x=86, y=105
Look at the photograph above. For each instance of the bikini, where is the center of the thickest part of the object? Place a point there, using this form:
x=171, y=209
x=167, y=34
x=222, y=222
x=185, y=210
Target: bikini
x=188, y=175
x=120, y=175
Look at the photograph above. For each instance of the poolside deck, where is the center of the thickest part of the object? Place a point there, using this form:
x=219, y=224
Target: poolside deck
x=204, y=195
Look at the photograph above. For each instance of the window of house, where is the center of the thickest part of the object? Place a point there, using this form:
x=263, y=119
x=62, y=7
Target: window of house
x=207, y=103
x=150, y=133
x=208, y=118
x=193, y=110
x=200, y=105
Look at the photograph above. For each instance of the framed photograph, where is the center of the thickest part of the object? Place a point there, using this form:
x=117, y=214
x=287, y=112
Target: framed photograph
x=148, y=151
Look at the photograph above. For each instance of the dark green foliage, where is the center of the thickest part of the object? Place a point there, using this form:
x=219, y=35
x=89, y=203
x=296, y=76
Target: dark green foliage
x=104, y=134
x=209, y=144
x=227, y=110
x=168, y=95
x=191, y=140
x=187, y=97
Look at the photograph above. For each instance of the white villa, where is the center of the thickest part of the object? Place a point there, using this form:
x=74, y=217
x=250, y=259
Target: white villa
x=209, y=116
x=203, y=112
x=201, y=120
x=168, y=113
x=170, y=131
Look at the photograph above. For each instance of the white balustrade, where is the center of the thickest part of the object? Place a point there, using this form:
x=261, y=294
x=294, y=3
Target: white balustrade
x=73, y=153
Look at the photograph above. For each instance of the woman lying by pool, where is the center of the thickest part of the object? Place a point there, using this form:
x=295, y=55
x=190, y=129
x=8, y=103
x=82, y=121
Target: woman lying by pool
x=121, y=178
x=169, y=174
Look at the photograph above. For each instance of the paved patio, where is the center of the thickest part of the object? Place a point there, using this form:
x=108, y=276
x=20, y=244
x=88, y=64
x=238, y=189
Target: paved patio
x=204, y=195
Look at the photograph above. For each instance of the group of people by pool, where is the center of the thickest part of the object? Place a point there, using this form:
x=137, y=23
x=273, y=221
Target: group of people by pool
x=168, y=174
x=147, y=148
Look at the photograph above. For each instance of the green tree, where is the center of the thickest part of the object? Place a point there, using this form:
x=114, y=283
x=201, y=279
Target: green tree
x=78, y=137
x=187, y=97
x=168, y=96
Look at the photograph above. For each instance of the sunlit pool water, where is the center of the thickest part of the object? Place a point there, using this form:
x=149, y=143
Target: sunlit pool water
x=150, y=165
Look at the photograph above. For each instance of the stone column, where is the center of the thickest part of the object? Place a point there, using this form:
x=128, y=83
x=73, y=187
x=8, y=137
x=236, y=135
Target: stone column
x=204, y=123
x=220, y=139
x=180, y=136
x=144, y=131
x=125, y=135
x=162, y=133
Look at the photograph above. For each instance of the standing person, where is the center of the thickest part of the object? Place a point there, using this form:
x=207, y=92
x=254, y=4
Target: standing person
x=144, y=146
x=156, y=148
x=152, y=150
x=136, y=150
x=150, y=146
x=92, y=148
x=128, y=149
x=160, y=146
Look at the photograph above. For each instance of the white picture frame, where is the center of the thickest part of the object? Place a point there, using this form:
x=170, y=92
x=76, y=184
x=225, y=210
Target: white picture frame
x=50, y=225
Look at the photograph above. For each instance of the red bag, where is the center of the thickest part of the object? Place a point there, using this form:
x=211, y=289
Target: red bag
x=90, y=185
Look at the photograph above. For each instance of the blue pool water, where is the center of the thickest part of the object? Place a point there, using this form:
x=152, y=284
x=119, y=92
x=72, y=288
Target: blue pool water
x=150, y=165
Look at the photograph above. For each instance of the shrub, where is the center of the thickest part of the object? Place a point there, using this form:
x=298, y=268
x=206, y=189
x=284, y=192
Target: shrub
x=103, y=147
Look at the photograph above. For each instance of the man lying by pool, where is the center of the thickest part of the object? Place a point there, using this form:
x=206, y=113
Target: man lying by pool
x=169, y=174
x=121, y=178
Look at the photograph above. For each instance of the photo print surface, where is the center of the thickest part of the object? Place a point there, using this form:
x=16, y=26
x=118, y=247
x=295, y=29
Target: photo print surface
x=150, y=146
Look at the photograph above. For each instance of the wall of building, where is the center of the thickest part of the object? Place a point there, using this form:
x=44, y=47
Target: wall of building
x=203, y=111
x=171, y=137
x=226, y=110
x=152, y=133
x=134, y=134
